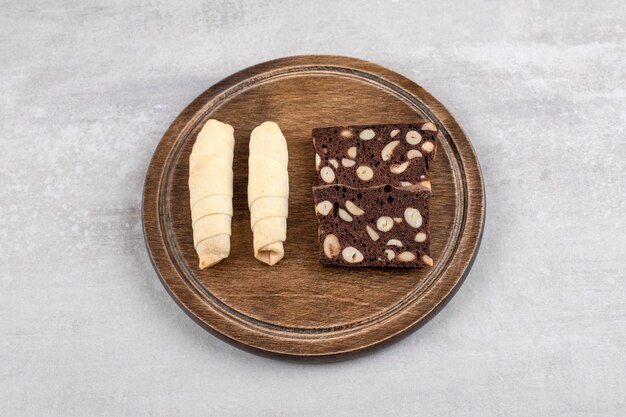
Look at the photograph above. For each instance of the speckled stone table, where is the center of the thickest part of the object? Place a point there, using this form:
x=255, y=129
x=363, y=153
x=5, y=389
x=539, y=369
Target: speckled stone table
x=88, y=88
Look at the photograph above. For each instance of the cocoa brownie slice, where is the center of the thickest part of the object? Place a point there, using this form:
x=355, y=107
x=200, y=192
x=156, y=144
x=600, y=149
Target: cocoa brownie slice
x=370, y=155
x=383, y=226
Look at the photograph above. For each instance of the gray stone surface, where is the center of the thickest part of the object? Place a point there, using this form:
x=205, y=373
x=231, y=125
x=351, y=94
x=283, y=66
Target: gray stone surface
x=88, y=88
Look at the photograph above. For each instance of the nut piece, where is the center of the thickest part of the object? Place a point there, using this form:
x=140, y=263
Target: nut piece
x=352, y=255
x=373, y=234
x=334, y=163
x=413, y=217
x=353, y=208
x=406, y=257
x=390, y=254
x=399, y=169
x=420, y=237
x=384, y=223
x=394, y=133
x=388, y=150
x=367, y=134
x=331, y=246
x=397, y=220
x=327, y=174
x=394, y=242
x=365, y=173
x=318, y=161
x=413, y=137
x=405, y=183
x=351, y=152
x=428, y=147
x=413, y=153
x=347, y=162
x=427, y=260
x=425, y=184
x=429, y=126
x=324, y=207
x=346, y=133
x=344, y=215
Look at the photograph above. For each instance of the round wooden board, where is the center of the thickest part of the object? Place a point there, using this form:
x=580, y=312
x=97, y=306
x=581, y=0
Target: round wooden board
x=299, y=307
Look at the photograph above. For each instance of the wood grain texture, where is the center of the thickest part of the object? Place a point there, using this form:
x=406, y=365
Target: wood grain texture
x=299, y=307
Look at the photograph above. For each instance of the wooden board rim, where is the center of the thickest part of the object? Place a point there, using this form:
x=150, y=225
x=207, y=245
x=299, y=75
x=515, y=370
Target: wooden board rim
x=232, y=328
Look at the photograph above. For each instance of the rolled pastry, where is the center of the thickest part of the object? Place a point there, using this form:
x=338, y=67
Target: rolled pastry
x=268, y=192
x=211, y=191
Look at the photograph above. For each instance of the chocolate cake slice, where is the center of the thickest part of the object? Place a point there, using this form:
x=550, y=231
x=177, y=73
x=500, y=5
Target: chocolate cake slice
x=371, y=155
x=383, y=226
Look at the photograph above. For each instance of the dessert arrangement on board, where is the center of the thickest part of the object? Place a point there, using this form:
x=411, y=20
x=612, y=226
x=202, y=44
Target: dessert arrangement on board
x=372, y=201
x=369, y=250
